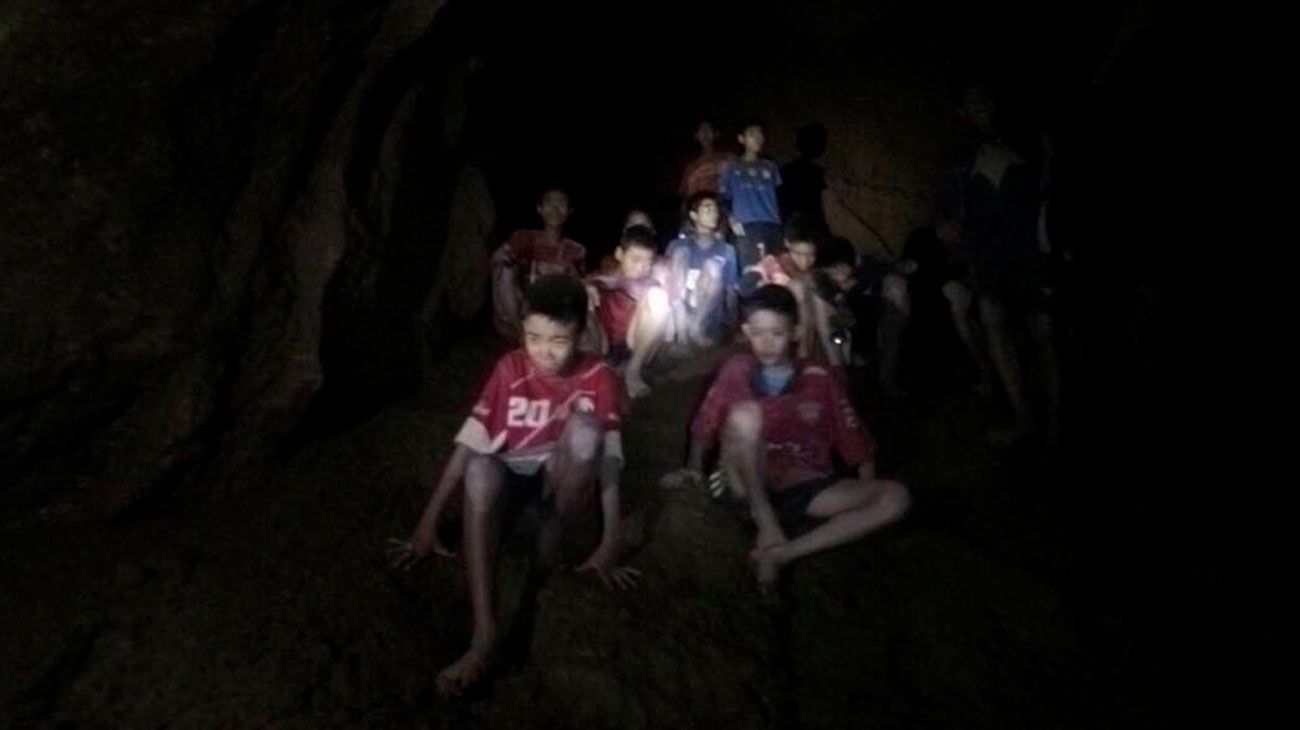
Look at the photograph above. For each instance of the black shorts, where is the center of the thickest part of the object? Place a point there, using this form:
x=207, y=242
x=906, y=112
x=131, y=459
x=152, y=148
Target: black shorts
x=791, y=504
x=618, y=355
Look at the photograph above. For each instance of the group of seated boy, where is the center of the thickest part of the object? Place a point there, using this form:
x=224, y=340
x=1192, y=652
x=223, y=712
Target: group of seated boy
x=777, y=421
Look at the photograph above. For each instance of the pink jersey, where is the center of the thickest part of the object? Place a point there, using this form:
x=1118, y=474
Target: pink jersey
x=535, y=255
x=521, y=413
x=802, y=426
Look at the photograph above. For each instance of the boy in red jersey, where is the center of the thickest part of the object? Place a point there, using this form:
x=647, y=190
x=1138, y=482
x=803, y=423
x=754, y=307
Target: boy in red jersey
x=780, y=420
x=631, y=308
x=545, y=424
x=793, y=269
x=529, y=254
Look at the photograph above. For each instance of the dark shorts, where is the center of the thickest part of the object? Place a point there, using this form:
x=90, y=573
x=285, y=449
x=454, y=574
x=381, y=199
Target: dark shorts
x=791, y=504
x=618, y=355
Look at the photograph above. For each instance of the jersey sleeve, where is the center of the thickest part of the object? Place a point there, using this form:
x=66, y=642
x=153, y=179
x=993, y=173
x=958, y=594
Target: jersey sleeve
x=726, y=389
x=485, y=430
x=852, y=441
x=578, y=258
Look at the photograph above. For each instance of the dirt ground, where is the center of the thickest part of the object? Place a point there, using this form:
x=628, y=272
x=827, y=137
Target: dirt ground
x=996, y=604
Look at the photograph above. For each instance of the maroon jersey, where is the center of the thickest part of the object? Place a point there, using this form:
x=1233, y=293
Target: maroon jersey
x=534, y=255
x=617, y=305
x=703, y=173
x=802, y=426
x=521, y=413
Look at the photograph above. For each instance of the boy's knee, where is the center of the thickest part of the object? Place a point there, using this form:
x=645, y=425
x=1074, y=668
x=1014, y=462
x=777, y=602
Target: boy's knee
x=744, y=422
x=656, y=302
x=582, y=437
x=482, y=482
x=897, y=499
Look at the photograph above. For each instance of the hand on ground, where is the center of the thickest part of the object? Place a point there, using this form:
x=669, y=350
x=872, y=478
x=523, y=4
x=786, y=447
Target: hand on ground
x=602, y=562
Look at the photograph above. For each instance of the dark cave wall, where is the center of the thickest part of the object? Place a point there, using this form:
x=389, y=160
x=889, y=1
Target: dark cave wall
x=178, y=193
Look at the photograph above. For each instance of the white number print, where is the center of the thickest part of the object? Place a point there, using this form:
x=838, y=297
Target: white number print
x=521, y=412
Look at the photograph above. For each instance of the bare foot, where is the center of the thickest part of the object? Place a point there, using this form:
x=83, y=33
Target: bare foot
x=636, y=385
x=461, y=674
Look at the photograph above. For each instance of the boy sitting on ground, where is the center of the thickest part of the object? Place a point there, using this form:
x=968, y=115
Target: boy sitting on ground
x=781, y=420
x=546, y=426
x=794, y=268
x=702, y=275
x=860, y=304
x=631, y=308
x=529, y=254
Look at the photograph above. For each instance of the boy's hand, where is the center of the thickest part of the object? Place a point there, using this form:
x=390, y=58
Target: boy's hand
x=737, y=228
x=405, y=555
x=602, y=561
x=684, y=478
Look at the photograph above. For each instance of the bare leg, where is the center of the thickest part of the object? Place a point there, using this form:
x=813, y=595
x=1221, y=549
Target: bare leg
x=959, y=302
x=678, y=270
x=649, y=328
x=507, y=302
x=744, y=454
x=709, y=293
x=993, y=315
x=807, y=327
x=897, y=309
x=570, y=476
x=484, y=476
x=855, y=508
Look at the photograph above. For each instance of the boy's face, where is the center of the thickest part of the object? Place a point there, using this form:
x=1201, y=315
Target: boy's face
x=554, y=208
x=769, y=335
x=803, y=254
x=705, y=216
x=706, y=135
x=634, y=261
x=752, y=139
x=842, y=275
x=549, y=344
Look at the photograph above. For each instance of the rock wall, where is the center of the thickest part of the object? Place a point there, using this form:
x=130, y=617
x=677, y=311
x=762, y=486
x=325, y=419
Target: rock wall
x=176, y=197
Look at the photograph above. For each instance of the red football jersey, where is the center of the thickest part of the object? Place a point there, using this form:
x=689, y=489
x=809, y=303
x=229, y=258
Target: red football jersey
x=521, y=413
x=617, y=305
x=802, y=426
x=536, y=255
x=703, y=173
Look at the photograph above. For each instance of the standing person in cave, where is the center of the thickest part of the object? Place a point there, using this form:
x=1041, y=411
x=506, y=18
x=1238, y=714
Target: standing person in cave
x=748, y=187
x=529, y=254
x=703, y=173
x=804, y=181
x=992, y=198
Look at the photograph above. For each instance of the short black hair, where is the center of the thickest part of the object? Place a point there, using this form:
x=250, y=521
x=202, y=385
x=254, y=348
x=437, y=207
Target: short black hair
x=772, y=298
x=541, y=195
x=694, y=201
x=837, y=251
x=748, y=122
x=560, y=297
x=642, y=236
x=800, y=229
